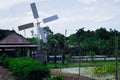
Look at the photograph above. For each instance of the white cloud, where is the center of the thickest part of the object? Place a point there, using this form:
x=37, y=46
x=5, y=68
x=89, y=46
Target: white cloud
x=116, y=0
x=88, y=18
x=103, y=18
x=81, y=19
x=87, y=1
x=8, y=20
x=89, y=8
x=6, y=4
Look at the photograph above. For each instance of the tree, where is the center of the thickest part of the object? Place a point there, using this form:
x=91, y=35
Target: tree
x=91, y=53
x=33, y=40
x=4, y=33
x=73, y=40
x=61, y=45
x=53, y=46
x=102, y=33
x=47, y=31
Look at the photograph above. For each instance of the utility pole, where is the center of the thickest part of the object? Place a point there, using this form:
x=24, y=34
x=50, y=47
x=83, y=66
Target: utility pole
x=79, y=60
x=116, y=55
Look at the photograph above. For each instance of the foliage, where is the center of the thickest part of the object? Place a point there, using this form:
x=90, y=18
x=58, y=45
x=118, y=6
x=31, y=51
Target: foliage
x=104, y=69
x=35, y=72
x=72, y=64
x=91, y=53
x=73, y=40
x=3, y=56
x=102, y=33
x=57, y=78
x=47, y=31
x=57, y=45
x=101, y=41
x=4, y=33
x=27, y=69
x=68, y=58
x=6, y=61
x=32, y=40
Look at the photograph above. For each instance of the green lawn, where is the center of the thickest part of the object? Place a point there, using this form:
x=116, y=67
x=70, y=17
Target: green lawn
x=52, y=65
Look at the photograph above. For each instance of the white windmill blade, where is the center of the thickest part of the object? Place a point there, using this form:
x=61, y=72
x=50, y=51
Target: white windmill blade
x=52, y=18
x=25, y=26
x=41, y=32
x=34, y=10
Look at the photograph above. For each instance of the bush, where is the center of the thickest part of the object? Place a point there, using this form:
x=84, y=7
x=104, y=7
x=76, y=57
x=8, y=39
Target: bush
x=18, y=64
x=27, y=68
x=57, y=78
x=36, y=72
x=104, y=69
x=68, y=58
x=3, y=56
x=6, y=61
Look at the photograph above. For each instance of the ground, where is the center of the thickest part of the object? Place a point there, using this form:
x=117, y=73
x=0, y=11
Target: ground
x=69, y=76
x=6, y=74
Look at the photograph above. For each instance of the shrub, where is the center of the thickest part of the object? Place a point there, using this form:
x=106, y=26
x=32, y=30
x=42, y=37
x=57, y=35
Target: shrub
x=104, y=69
x=6, y=61
x=3, y=56
x=27, y=68
x=35, y=72
x=19, y=63
x=68, y=58
x=57, y=78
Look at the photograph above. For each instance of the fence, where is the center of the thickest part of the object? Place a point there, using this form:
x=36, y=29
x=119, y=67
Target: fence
x=95, y=58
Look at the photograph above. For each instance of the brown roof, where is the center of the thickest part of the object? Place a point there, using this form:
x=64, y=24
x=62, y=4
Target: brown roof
x=14, y=38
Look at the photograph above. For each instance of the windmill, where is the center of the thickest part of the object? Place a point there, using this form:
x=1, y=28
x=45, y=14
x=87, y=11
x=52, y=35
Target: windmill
x=40, y=30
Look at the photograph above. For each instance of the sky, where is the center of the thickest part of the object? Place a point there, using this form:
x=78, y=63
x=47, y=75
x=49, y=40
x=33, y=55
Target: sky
x=73, y=15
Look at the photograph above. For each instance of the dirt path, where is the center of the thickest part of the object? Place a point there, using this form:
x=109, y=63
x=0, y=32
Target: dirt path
x=5, y=74
x=70, y=76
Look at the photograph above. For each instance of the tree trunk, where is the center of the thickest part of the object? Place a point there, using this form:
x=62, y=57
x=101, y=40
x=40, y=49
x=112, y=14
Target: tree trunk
x=55, y=59
x=92, y=58
x=63, y=58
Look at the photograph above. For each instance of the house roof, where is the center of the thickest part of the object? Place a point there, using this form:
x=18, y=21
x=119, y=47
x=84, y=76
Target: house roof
x=14, y=38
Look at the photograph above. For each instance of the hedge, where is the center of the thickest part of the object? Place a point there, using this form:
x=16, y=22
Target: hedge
x=27, y=68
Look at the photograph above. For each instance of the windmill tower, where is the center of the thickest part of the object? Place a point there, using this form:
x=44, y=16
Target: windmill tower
x=40, y=30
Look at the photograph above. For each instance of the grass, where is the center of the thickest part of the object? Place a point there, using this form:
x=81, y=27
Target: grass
x=99, y=63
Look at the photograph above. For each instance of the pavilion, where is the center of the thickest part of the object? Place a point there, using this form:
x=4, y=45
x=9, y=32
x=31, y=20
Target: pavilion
x=16, y=45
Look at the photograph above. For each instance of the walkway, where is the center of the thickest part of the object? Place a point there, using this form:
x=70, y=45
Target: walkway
x=5, y=74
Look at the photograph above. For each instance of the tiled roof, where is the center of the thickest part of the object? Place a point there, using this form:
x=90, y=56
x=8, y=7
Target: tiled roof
x=14, y=38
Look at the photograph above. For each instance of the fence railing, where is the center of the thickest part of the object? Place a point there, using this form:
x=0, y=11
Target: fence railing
x=95, y=58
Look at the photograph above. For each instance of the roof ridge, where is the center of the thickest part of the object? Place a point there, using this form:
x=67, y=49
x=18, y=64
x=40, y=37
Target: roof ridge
x=14, y=39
